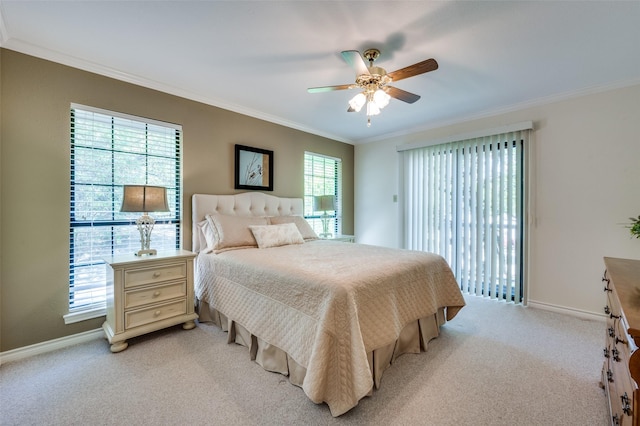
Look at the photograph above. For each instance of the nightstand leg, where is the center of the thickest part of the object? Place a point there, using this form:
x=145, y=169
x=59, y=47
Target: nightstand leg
x=188, y=325
x=119, y=346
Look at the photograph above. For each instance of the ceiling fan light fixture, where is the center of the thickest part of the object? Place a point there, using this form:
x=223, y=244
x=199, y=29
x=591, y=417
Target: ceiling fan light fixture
x=372, y=108
x=358, y=101
x=381, y=98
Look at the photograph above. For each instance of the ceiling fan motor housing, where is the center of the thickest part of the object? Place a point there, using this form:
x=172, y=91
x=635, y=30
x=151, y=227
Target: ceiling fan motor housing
x=378, y=78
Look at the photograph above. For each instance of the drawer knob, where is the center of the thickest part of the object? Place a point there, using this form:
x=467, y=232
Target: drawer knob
x=614, y=354
x=156, y=294
x=156, y=274
x=618, y=340
x=626, y=408
x=157, y=313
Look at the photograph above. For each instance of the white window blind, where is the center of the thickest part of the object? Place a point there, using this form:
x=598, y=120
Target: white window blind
x=466, y=201
x=109, y=150
x=322, y=176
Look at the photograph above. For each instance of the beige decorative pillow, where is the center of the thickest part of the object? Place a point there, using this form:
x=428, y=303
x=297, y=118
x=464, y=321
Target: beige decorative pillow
x=305, y=229
x=277, y=235
x=232, y=232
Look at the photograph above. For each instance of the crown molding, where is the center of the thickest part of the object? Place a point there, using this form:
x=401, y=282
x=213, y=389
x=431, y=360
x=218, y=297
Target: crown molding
x=4, y=35
x=545, y=100
x=82, y=64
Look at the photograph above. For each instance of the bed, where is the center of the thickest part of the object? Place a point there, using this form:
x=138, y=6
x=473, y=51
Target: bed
x=332, y=316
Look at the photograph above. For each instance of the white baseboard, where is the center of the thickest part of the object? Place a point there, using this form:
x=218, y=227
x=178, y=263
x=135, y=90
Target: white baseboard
x=566, y=310
x=50, y=345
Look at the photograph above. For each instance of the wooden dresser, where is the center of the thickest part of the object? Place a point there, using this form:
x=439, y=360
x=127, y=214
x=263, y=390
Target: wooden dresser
x=621, y=369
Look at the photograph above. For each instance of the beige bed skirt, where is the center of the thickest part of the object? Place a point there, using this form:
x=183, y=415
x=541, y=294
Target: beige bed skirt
x=413, y=338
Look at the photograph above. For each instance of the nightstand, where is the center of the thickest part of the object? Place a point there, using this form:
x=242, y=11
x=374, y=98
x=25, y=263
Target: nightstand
x=340, y=237
x=148, y=293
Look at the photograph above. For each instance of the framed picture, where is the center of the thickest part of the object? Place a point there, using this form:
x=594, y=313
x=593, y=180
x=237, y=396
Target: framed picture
x=254, y=168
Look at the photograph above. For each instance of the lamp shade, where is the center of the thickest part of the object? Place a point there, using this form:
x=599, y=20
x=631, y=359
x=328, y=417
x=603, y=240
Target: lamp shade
x=324, y=203
x=144, y=198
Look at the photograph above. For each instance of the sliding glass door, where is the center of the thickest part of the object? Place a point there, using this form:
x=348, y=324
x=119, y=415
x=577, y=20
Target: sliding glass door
x=465, y=200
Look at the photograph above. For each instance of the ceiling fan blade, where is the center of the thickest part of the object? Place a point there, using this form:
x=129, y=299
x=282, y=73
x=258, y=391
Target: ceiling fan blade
x=415, y=69
x=330, y=88
x=402, y=95
x=355, y=61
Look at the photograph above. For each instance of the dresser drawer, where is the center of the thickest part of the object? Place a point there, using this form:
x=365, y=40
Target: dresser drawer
x=155, y=274
x=155, y=313
x=158, y=293
x=621, y=396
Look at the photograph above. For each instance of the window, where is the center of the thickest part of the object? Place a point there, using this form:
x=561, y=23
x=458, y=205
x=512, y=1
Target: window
x=109, y=150
x=322, y=176
x=466, y=201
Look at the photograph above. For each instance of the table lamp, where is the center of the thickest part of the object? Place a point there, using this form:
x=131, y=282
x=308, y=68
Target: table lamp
x=144, y=199
x=324, y=203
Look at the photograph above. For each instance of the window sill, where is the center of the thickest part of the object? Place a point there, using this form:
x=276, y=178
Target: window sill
x=85, y=314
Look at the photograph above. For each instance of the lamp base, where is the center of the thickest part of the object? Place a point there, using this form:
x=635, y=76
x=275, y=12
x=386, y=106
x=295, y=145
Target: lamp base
x=150, y=252
x=145, y=225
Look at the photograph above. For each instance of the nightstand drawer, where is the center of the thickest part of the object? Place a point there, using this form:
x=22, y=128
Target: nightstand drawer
x=155, y=313
x=158, y=293
x=143, y=276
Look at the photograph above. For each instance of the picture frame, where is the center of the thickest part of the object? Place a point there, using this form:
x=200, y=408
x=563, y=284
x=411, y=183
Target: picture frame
x=253, y=168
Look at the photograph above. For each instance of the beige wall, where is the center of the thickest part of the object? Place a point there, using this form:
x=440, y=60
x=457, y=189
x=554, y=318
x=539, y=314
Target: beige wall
x=34, y=178
x=586, y=185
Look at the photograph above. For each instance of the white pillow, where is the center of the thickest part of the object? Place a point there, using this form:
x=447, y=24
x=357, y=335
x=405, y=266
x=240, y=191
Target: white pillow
x=232, y=232
x=277, y=235
x=206, y=236
x=305, y=229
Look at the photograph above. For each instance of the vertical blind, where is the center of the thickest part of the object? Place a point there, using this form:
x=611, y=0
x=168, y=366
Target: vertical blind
x=465, y=200
x=322, y=176
x=109, y=150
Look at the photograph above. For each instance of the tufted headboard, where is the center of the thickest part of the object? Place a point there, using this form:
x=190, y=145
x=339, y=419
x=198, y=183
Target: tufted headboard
x=244, y=204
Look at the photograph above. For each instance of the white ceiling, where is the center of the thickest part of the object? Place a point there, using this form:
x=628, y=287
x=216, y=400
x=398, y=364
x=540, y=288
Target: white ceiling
x=259, y=57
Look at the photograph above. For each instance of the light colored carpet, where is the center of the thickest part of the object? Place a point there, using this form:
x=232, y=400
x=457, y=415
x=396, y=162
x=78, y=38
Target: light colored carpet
x=494, y=364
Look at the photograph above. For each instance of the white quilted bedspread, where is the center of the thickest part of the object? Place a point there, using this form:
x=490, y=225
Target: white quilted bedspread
x=327, y=304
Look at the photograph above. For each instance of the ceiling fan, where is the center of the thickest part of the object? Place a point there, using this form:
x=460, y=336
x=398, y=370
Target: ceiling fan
x=374, y=82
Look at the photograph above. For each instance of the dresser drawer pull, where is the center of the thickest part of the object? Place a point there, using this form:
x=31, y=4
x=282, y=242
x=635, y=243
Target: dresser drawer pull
x=605, y=279
x=157, y=313
x=614, y=354
x=608, y=312
x=606, y=352
x=620, y=341
x=610, y=376
x=611, y=332
x=156, y=274
x=156, y=293
x=626, y=408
